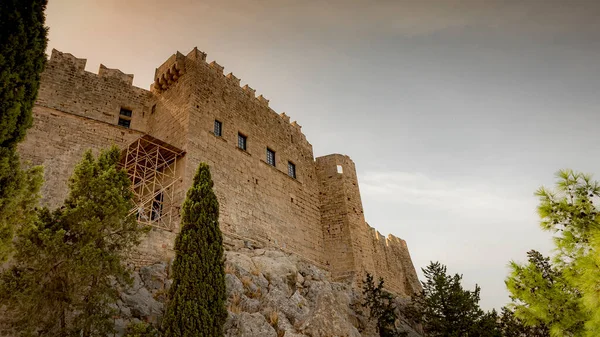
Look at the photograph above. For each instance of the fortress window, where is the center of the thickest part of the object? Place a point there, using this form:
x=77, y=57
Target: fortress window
x=340, y=169
x=125, y=112
x=125, y=117
x=218, y=128
x=291, y=169
x=124, y=122
x=270, y=157
x=242, y=141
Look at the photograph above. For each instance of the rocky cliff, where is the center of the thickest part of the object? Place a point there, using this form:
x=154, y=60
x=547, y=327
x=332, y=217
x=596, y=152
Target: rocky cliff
x=270, y=294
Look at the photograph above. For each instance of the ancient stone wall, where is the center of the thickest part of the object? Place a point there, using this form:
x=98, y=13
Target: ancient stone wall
x=58, y=141
x=336, y=198
x=317, y=214
x=66, y=86
x=352, y=247
x=258, y=201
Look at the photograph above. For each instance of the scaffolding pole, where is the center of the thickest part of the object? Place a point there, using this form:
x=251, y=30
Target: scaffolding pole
x=151, y=165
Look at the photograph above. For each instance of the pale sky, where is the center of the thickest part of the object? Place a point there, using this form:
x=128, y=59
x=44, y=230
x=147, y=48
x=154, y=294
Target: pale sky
x=454, y=112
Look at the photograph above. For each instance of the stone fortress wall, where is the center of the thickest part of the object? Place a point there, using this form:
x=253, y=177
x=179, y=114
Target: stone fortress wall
x=317, y=215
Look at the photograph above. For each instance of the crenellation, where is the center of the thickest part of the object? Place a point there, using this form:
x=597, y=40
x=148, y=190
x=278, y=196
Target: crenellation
x=249, y=90
x=263, y=101
x=235, y=80
x=196, y=55
x=103, y=71
x=59, y=58
x=219, y=68
x=285, y=117
x=292, y=201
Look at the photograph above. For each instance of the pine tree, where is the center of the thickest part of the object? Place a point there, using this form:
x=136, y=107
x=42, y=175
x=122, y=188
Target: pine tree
x=511, y=326
x=22, y=59
x=67, y=264
x=197, y=296
x=381, y=308
x=562, y=293
x=444, y=308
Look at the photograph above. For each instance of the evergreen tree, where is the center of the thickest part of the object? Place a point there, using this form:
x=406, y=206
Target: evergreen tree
x=381, y=308
x=67, y=264
x=562, y=293
x=445, y=309
x=22, y=59
x=197, y=296
x=511, y=326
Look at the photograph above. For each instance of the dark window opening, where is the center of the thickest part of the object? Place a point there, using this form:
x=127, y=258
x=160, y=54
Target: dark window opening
x=291, y=169
x=218, y=128
x=124, y=122
x=125, y=112
x=157, y=205
x=125, y=117
x=242, y=141
x=153, y=109
x=270, y=157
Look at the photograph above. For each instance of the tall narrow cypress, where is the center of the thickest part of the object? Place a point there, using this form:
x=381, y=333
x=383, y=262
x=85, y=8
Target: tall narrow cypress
x=23, y=40
x=197, y=296
x=22, y=59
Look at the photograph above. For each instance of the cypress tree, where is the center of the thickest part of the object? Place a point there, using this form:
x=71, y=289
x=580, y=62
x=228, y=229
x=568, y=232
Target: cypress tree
x=22, y=59
x=22, y=46
x=197, y=296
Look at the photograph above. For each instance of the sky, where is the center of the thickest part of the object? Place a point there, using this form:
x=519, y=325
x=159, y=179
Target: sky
x=454, y=111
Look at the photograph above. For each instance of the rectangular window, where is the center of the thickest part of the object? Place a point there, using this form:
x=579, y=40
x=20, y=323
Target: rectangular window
x=218, y=128
x=270, y=157
x=124, y=122
x=125, y=112
x=242, y=141
x=291, y=169
x=125, y=117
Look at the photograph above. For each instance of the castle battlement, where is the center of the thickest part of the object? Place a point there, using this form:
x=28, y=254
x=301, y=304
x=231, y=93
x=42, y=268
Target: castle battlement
x=174, y=67
x=58, y=57
x=271, y=188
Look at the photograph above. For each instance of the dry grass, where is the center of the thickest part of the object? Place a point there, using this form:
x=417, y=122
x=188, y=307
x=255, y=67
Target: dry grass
x=273, y=318
x=246, y=281
x=254, y=294
x=229, y=269
x=235, y=304
x=255, y=271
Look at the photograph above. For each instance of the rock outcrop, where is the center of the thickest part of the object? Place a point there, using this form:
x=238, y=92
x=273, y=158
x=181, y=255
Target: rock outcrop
x=270, y=294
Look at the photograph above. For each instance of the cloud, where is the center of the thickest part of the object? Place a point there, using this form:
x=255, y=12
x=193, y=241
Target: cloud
x=471, y=225
x=468, y=199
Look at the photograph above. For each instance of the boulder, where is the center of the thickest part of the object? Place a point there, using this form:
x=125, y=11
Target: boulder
x=248, y=325
x=154, y=277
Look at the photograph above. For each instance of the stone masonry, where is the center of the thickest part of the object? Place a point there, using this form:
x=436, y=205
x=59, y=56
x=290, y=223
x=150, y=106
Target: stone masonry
x=317, y=215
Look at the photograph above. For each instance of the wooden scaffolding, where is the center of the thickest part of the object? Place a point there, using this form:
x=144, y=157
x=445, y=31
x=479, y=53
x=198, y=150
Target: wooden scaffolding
x=151, y=164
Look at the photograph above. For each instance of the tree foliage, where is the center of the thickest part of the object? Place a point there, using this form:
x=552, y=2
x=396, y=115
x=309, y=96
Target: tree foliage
x=445, y=309
x=381, y=308
x=197, y=296
x=22, y=59
x=562, y=292
x=511, y=326
x=68, y=263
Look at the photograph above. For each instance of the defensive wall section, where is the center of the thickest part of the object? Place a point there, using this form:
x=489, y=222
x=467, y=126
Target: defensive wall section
x=283, y=199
